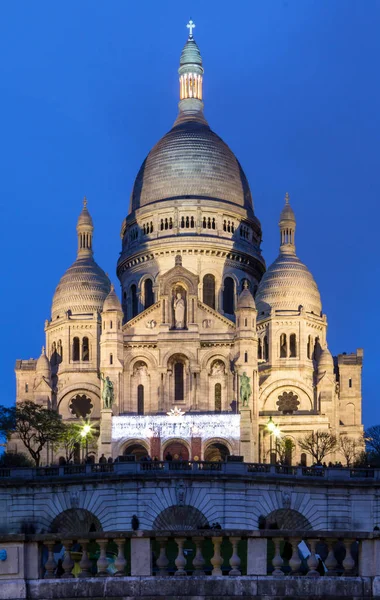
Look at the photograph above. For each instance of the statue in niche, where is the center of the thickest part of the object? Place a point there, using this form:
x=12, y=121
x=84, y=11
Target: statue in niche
x=179, y=311
x=217, y=368
x=108, y=392
x=245, y=388
x=140, y=369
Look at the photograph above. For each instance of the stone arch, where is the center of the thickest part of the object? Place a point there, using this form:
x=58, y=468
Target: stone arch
x=180, y=518
x=209, y=358
x=287, y=518
x=171, y=441
x=270, y=392
x=146, y=356
x=78, y=520
x=217, y=451
x=186, y=279
x=348, y=416
x=66, y=396
x=220, y=441
x=124, y=444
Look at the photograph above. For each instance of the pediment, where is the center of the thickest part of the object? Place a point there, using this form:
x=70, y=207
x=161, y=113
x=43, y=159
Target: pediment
x=209, y=319
x=178, y=275
x=147, y=321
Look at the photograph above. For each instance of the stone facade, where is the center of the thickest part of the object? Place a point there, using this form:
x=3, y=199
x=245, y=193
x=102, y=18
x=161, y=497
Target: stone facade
x=197, y=312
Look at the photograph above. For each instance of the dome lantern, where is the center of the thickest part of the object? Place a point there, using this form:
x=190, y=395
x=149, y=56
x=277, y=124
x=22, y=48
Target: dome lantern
x=191, y=73
x=287, y=226
x=85, y=230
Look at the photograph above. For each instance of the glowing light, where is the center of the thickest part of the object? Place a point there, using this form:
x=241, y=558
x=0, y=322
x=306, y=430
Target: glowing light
x=175, y=412
x=187, y=426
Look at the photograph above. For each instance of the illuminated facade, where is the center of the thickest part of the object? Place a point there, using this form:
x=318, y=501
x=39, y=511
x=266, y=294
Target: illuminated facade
x=198, y=310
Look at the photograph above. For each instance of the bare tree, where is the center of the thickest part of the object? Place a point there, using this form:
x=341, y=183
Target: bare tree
x=372, y=439
x=350, y=448
x=284, y=449
x=318, y=444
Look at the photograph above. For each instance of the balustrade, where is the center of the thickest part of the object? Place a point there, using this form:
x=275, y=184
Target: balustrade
x=205, y=553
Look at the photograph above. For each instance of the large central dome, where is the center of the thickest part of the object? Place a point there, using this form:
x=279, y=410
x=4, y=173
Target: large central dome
x=191, y=161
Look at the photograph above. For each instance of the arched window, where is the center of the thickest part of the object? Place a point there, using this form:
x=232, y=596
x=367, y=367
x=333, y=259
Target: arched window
x=265, y=348
x=310, y=347
x=209, y=290
x=179, y=392
x=259, y=350
x=292, y=345
x=283, y=347
x=148, y=293
x=76, y=348
x=245, y=356
x=303, y=459
x=140, y=399
x=110, y=324
x=317, y=349
x=218, y=397
x=228, y=296
x=133, y=300
x=111, y=359
x=59, y=350
x=85, y=349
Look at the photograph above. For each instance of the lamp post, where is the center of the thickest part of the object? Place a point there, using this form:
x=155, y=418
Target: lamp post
x=274, y=430
x=86, y=429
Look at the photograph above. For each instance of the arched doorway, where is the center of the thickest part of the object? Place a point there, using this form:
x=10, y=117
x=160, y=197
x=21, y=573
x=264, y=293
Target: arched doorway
x=137, y=450
x=216, y=452
x=287, y=518
x=177, y=449
x=180, y=518
x=75, y=519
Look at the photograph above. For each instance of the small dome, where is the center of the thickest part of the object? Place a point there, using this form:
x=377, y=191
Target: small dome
x=287, y=214
x=326, y=362
x=191, y=161
x=82, y=289
x=112, y=302
x=190, y=54
x=246, y=300
x=286, y=285
x=85, y=217
x=43, y=365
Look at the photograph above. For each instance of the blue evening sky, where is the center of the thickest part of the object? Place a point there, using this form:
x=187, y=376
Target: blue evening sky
x=88, y=87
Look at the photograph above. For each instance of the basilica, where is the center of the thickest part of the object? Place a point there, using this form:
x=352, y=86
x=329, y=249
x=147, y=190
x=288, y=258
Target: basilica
x=205, y=347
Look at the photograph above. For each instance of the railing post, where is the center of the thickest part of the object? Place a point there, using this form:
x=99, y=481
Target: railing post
x=348, y=562
x=295, y=561
x=331, y=562
x=50, y=564
x=257, y=556
x=102, y=563
x=85, y=563
x=180, y=561
x=67, y=563
x=141, y=557
x=368, y=551
x=277, y=561
x=217, y=560
x=312, y=561
x=235, y=560
x=120, y=562
x=162, y=561
x=198, y=560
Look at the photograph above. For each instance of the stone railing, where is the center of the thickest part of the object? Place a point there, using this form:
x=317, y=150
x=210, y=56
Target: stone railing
x=191, y=467
x=38, y=564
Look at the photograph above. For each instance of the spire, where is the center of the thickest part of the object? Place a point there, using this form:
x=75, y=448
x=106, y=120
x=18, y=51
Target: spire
x=190, y=74
x=287, y=226
x=85, y=230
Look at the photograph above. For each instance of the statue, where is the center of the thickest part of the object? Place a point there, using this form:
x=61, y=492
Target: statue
x=108, y=392
x=217, y=368
x=179, y=311
x=245, y=388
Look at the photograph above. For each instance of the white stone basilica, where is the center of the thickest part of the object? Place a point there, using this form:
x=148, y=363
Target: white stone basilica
x=203, y=331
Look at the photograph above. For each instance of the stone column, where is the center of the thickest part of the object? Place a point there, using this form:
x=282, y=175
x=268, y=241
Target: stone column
x=105, y=437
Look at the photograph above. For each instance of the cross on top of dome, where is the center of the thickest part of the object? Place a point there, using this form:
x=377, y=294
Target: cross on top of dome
x=190, y=27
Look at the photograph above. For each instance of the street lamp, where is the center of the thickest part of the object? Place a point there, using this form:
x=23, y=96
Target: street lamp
x=274, y=430
x=84, y=433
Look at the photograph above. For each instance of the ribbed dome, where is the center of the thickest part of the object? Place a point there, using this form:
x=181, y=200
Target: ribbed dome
x=286, y=285
x=112, y=302
x=191, y=161
x=190, y=54
x=82, y=289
